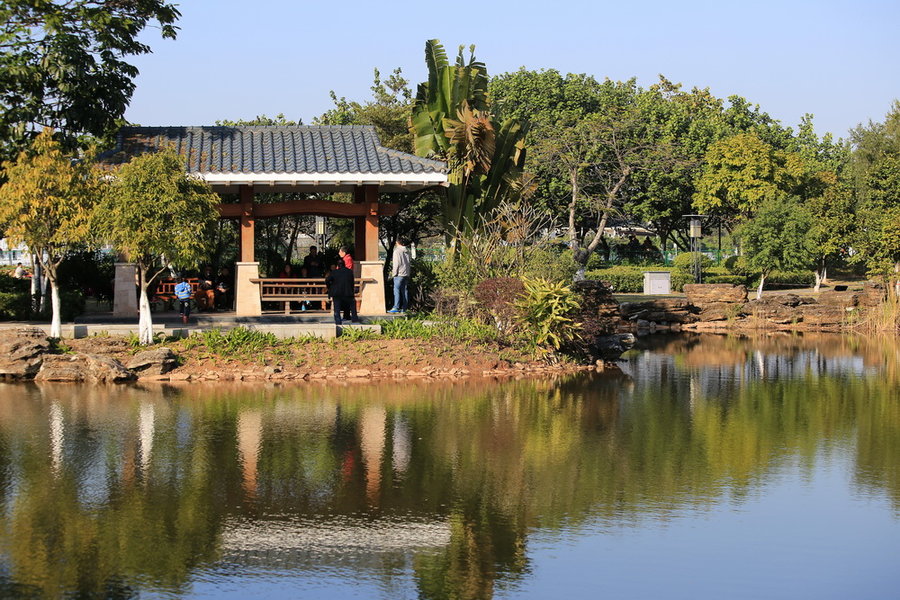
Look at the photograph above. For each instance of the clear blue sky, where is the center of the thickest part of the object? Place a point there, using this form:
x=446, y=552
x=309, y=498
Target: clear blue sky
x=240, y=58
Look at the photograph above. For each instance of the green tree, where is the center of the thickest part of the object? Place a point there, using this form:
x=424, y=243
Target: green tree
x=875, y=171
x=778, y=237
x=159, y=216
x=63, y=64
x=451, y=120
x=46, y=204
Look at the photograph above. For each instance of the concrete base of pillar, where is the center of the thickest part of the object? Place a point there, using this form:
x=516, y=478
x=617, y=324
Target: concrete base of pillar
x=125, y=300
x=246, y=293
x=372, y=301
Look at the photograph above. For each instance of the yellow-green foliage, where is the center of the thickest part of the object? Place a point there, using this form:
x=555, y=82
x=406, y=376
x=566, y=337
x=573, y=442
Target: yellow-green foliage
x=47, y=200
x=545, y=310
x=152, y=208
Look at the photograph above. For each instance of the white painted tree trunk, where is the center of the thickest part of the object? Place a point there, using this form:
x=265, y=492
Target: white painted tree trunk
x=44, y=285
x=145, y=320
x=55, y=320
x=35, y=284
x=819, y=280
x=762, y=281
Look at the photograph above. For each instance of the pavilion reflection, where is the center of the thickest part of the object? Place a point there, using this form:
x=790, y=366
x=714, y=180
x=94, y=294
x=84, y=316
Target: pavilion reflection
x=447, y=479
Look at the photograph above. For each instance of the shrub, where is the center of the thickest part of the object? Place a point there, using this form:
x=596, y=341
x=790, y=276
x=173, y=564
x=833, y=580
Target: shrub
x=15, y=298
x=685, y=261
x=422, y=283
x=732, y=279
x=496, y=299
x=625, y=279
x=545, y=311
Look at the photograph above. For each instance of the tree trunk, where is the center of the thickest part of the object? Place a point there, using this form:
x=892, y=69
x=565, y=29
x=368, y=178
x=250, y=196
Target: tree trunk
x=45, y=284
x=820, y=274
x=55, y=319
x=573, y=238
x=762, y=281
x=145, y=319
x=36, y=272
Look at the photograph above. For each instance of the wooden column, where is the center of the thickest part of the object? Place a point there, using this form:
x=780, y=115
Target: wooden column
x=371, y=223
x=246, y=239
x=359, y=225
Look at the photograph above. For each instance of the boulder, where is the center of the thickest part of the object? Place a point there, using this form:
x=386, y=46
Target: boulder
x=825, y=315
x=873, y=294
x=611, y=347
x=791, y=300
x=721, y=311
x=22, y=352
x=699, y=294
x=82, y=367
x=153, y=362
x=841, y=299
x=669, y=310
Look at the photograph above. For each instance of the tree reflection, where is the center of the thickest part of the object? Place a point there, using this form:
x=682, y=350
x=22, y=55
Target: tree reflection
x=114, y=490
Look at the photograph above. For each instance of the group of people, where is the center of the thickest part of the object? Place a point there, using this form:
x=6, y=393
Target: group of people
x=214, y=292
x=218, y=292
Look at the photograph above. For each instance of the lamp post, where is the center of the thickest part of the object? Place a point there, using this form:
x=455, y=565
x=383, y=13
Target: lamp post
x=320, y=232
x=695, y=232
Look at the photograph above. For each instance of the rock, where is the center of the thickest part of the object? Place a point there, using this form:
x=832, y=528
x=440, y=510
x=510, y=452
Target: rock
x=841, y=299
x=611, y=347
x=83, y=367
x=791, y=300
x=358, y=373
x=825, y=315
x=153, y=362
x=721, y=311
x=669, y=310
x=699, y=294
x=873, y=294
x=22, y=352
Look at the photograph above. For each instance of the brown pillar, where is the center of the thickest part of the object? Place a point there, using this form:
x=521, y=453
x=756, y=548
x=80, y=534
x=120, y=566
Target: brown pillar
x=359, y=225
x=246, y=239
x=371, y=224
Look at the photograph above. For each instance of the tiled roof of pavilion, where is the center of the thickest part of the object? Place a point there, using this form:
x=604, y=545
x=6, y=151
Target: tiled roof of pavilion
x=345, y=149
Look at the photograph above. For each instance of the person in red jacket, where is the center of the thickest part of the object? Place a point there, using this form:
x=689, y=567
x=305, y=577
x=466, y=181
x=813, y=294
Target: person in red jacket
x=345, y=256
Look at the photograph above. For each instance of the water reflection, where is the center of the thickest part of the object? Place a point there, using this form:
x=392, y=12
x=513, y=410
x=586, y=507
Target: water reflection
x=430, y=490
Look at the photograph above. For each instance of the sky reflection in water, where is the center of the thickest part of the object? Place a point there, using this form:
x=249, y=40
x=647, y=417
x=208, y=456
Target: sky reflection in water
x=711, y=466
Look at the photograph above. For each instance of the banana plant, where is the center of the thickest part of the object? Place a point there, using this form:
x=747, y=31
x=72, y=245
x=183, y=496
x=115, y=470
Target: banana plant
x=451, y=121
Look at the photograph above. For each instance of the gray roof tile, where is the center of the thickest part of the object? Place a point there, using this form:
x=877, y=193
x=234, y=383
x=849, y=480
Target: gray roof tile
x=272, y=149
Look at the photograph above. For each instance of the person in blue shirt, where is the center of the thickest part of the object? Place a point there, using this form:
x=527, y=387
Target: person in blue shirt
x=184, y=292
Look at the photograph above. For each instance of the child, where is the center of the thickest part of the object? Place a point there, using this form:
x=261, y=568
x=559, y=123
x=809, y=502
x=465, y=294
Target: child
x=183, y=292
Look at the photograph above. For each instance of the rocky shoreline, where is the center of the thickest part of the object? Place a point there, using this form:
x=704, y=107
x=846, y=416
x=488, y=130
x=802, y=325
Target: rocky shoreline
x=26, y=354
x=718, y=307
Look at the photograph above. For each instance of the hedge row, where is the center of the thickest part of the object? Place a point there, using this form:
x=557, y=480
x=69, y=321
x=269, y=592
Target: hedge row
x=624, y=279
x=630, y=279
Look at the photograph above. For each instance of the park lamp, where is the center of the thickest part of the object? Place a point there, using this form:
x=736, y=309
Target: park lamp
x=695, y=229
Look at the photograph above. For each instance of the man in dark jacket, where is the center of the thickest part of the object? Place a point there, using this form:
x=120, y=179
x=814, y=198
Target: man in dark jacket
x=340, y=289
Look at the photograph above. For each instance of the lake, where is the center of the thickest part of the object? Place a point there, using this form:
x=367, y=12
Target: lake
x=709, y=467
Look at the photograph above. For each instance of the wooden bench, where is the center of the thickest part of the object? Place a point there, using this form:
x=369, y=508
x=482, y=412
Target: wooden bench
x=302, y=290
x=165, y=291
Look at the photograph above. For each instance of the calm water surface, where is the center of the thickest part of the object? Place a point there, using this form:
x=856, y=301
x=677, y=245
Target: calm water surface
x=711, y=467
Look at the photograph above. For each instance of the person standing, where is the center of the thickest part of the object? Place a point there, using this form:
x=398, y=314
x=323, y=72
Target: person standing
x=313, y=264
x=400, y=271
x=340, y=288
x=183, y=293
x=344, y=253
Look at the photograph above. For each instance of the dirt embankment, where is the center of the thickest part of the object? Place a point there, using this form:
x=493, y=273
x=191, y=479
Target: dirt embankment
x=314, y=360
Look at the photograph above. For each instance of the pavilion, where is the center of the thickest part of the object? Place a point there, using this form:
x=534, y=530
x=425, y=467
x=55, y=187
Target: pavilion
x=246, y=160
